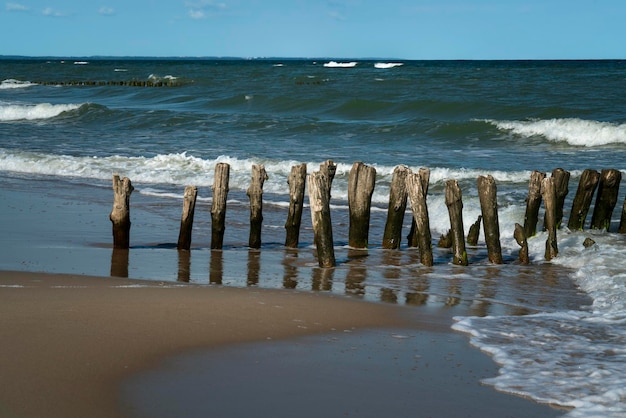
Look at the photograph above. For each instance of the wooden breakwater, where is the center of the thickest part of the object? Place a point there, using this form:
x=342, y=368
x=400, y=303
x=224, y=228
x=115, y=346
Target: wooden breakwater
x=405, y=186
x=126, y=83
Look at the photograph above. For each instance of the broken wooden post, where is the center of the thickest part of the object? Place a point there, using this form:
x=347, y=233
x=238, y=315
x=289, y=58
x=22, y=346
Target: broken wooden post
x=120, y=214
x=398, y=196
x=454, y=203
x=319, y=195
x=533, y=202
x=255, y=193
x=417, y=196
x=218, y=206
x=474, y=232
x=608, y=189
x=328, y=168
x=584, y=194
x=548, y=192
x=561, y=185
x=296, y=181
x=412, y=237
x=361, y=183
x=622, y=221
x=186, y=221
x=487, y=194
x=520, y=238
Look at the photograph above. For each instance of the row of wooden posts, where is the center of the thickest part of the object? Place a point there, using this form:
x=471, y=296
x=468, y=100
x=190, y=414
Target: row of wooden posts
x=127, y=83
x=405, y=186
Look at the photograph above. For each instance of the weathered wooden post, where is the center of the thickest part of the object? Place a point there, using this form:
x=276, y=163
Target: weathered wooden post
x=548, y=192
x=218, y=206
x=533, y=202
x=319, y=195
x=120, y=214
x=417, y=195
x=398, y=196
x=186, y=221
x=328, y=168
x=584, y=194
x=561, y=185
x=412, y=238
x=487, y=194
x=622, y=220
x=608, y=189
x=474, y=232
x=255, y=193
x=520, y=238
x=361, y=183
x=296, y=181
x=454, y=203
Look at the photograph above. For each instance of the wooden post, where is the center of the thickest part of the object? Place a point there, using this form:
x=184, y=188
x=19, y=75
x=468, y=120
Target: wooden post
x=319, y=195
x=622, y=221
x=328, y=168
x=533, y=202
x=487, y=194
x=218, y=206
x=361, y=183
x=608, y=189
x=561, y=184
x=398, y=196
x=120, y=214
x=474, y=232
x=186, y=221
x=412, y=238
x=548, y=192
x=255, y=193
x=454, y=203
x=520, y=237
x=296, y=181
x=584, y=194
x=417, y=195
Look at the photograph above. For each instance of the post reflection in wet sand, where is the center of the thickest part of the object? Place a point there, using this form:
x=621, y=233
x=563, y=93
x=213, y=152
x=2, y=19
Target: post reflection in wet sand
x=216, y=267
x=184, y=266
x=119, y=262
x=290, y=275
x=254, y=266
x=322, y=278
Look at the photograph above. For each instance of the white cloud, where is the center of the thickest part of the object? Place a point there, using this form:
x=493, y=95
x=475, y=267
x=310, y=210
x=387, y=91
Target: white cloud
x=201, y=9
x=16, y=7
x=106, y=11
x=196, y=14
x=49, y=11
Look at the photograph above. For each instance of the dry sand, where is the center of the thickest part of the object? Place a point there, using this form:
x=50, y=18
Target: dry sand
x=70, y=343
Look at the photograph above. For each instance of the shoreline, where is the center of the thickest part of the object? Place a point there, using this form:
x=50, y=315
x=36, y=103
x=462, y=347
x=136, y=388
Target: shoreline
x=72, y=342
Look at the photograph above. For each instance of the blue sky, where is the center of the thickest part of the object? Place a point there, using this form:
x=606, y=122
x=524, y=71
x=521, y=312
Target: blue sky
x=407, y=29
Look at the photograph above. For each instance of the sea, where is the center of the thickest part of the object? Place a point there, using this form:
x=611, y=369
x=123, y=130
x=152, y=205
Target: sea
x=556, y=328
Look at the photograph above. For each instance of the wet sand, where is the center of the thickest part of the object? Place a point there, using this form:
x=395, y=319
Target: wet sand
x=108, y=347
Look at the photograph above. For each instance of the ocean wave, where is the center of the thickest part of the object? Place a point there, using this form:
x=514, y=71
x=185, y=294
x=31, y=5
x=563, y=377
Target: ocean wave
x=184, y=169
x=574, y=131
x=16, y=112
x=335, y=64
x=387, y=64
x=12, y=83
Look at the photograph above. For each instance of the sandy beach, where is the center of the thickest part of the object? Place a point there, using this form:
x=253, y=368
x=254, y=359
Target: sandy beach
x=99, y=347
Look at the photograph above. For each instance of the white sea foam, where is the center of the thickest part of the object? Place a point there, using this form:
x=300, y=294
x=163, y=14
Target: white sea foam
x=387, y=64
x=12, y=83
x=15, y=112
x=577, y=132
x=183, y=169
x=573, y=358
x=335, y=64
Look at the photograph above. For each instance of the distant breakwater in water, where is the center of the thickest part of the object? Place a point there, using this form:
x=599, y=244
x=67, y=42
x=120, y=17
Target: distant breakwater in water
x=128, y=83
